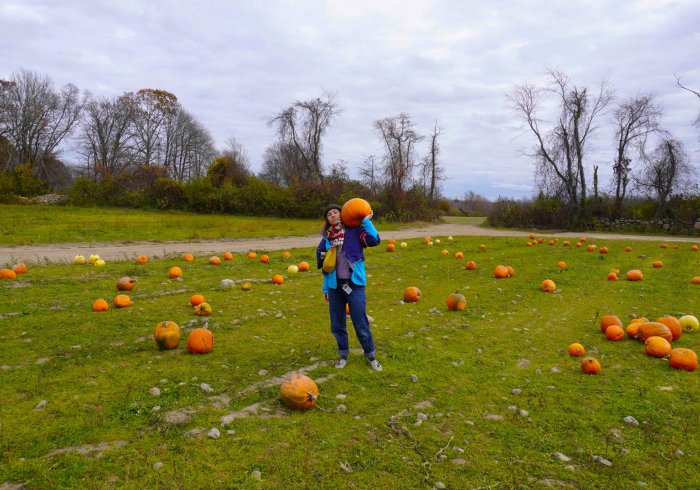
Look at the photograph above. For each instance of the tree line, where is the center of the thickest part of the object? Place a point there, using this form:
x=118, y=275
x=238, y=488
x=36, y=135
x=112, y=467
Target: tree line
x=143, y=148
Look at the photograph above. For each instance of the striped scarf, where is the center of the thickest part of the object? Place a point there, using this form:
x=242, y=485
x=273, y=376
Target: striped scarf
x=336, y=235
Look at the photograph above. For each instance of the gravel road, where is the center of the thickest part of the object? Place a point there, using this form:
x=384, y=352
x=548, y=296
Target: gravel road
x=64, y=252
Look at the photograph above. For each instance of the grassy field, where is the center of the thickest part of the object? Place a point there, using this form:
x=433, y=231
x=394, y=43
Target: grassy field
x=26, y=225
x=498, y=394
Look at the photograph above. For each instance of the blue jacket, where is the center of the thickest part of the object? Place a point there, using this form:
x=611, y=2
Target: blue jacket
x=356, y=239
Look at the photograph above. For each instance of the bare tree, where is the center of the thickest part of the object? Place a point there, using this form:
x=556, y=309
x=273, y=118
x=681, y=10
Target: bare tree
x=153, y=110
x=188, y=146
x=35, y=118
x=284, y=165
x=560, y=152
x=634, y=119
x=667, y=170
x=433, y=173
x=104, y=140
x=371, y=175
x=400, y=138
x=303, y=125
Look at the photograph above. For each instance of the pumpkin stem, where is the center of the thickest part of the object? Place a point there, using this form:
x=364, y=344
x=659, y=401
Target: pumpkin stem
x=311, y=396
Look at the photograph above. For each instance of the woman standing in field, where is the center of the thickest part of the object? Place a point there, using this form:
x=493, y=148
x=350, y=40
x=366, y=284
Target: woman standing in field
x=342, y=260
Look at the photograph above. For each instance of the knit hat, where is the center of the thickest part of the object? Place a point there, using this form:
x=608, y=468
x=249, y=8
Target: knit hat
x=329, y=207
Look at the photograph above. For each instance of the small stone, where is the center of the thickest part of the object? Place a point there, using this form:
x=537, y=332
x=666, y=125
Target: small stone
x=602, y=461
x=158, y=465
x=155, y=409
x=439, y=485
x=414, y=378
x=550, y=387
x=230, y=432
x=458, y=450
x=631, y=421
x=493, y=416
x=523, y=363
x=214, y=433
x=422, y=416
x=538, y=371
x=154, y=391
x=42, y=360
x=555, y=370
x=459, y=461
x=341, y=408
x=666, y=388
x=40, y=405
x=512, y=408
x=642, y=484
x=679, y=452
x=469, y=422
x=624, y=450
x=206, y=387
x=562, y=457
x=516, y=391
x=76, y=346
x=279, y=315
x=570, y=467
x=443, y=456
x=256, y=475
x=418, y=422
x=523, y=413
x=262, y=372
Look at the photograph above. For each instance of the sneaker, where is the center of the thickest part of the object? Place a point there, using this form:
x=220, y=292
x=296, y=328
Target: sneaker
x=374, y=364
x=340, y=363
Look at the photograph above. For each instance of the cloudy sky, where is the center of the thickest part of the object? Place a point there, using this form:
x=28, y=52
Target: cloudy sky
x=235, y=63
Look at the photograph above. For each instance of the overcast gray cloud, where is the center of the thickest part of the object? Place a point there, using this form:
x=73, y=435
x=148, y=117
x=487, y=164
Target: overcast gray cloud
x=233, y=64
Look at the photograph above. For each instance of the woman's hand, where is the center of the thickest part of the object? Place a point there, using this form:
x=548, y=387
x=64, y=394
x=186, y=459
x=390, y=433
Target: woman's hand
x=371, y=213
x=325, y=296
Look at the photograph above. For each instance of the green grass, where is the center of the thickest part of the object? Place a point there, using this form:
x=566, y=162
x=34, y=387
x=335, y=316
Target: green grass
x=463, y=220
x=25, y=225
x=95, y=371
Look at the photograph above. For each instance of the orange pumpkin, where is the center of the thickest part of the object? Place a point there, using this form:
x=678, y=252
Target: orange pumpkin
x=427, y=240
x=633, y=329
x=214, y=260
x=673, y=325
x=167, y=335
x=174, y=273
x=500, y=272
x=583, y=239
x=122, y=301
x=265, y=259
x=482, y=247
x=277, y=279
x=566, y=243
x=411, y=294
x=456, y=302
x=548, y=286
x=511, y=271
x=303, y=266
x=354, y=211
x=628, y=249
x=142, y=259
x=298, y=391
x=470, y=265
x=200, y=341
x=100, y=305
x=203, y=309
x=654, y=329
x=608, y=320
x=445, y=252
x=188, y=257
x=20, y=268
x=639, y=319
x=664, y=245
x=634, y=275
x=246, y=286
x=578, y=245
x=682, y=358
x=532, y=236
x=603, y=250
x=197, y=299
x=459, y=256
x=576, y=350
x=695, y=280
x=7, y=274
x=693, y=248
x=125, y=284
x=657, y=347
x=228, y=256
x=590, y=365
x=612, y=276
x=614, y=333
x=561, y=264
x=252, y=255
x=286, y=255
x=657, y=264
x=590, y=248
x=390, y=247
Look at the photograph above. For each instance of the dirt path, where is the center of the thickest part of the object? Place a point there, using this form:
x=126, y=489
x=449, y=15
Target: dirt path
x=64, y=252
